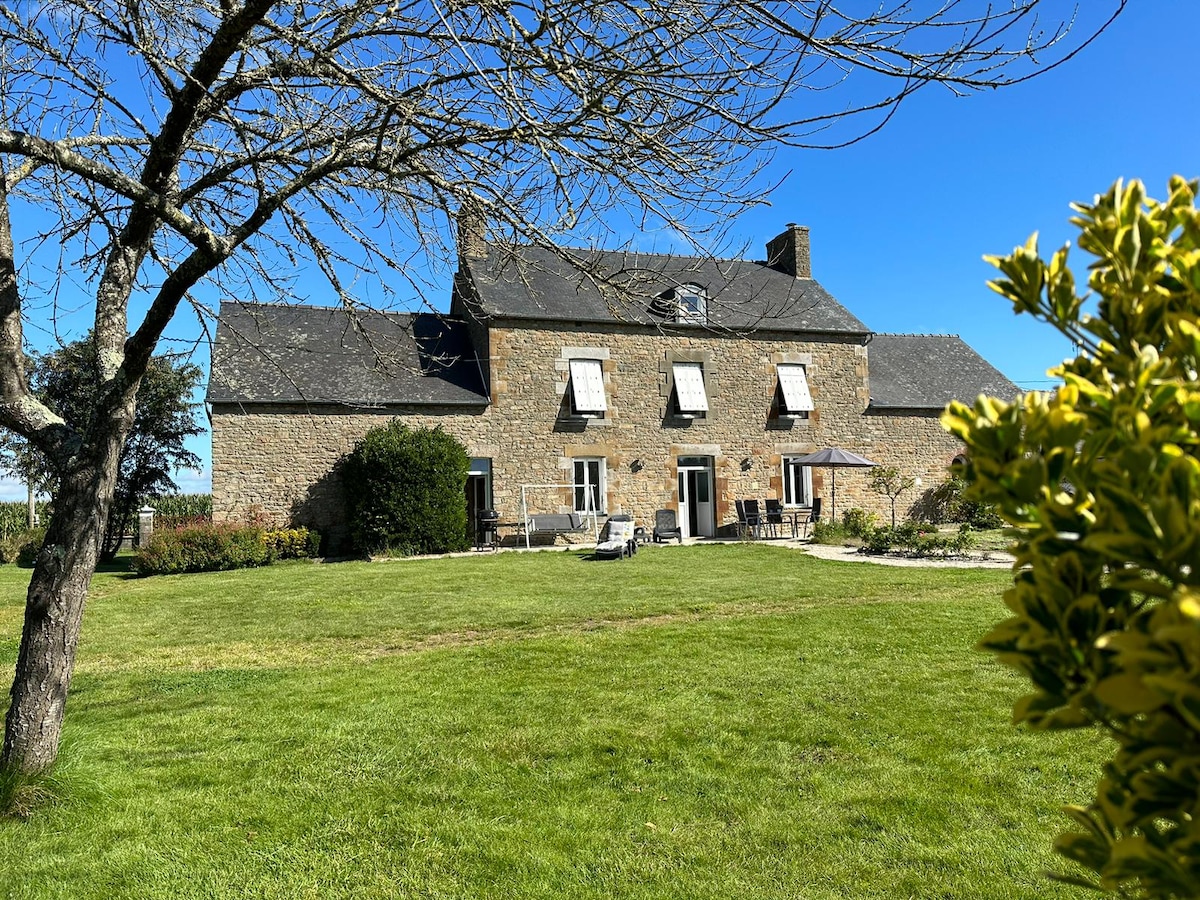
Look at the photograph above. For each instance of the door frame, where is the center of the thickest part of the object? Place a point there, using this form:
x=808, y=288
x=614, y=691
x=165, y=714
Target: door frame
x=480, y=469
x=687, y=471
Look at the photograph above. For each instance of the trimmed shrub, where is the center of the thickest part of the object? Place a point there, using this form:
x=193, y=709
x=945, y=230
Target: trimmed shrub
x=825, y=532
x=293, y=543
x=405, y=491
x=918, y=539
x=12, y=543
x=29, y=544
x=203, y=548
x=858, y=522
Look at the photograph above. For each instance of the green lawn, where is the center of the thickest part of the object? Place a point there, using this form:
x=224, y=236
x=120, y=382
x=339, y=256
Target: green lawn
x=699, y=722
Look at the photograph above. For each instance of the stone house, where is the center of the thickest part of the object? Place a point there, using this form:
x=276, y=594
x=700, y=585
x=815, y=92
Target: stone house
x=700, y=382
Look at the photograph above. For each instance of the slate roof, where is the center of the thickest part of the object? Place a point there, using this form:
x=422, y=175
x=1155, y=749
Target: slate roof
x=742, y=294
x=927, y=371
x=268, y=353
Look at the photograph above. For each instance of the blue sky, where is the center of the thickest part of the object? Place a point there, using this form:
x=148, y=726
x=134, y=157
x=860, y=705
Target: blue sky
x=899, y=222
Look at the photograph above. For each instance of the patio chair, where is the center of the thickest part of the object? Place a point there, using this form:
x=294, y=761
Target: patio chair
x=774, y=516
x=666, y=526
x=743, y=527
x=816, y=512
x=616, y=540
x=754, y=517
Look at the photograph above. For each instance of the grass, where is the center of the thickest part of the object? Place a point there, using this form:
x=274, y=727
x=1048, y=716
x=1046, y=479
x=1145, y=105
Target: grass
x=698, y=722
x=992, y=539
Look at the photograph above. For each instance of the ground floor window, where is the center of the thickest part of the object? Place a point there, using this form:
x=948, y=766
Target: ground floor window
x=797, y=482
x=479, y=491
x=589, y=484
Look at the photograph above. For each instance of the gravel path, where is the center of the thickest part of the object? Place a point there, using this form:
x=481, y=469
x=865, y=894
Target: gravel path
x=994, y=559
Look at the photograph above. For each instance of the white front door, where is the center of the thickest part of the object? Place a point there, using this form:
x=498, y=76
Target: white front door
x=696, y=506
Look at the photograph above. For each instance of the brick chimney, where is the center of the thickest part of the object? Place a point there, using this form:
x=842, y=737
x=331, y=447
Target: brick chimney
x=789, y=252
x=472, y=231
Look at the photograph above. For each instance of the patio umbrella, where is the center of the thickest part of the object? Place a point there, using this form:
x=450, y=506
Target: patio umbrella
x=834, y=458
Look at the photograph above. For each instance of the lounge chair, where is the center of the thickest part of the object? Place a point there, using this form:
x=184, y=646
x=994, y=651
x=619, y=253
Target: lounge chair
x=666, y=526
x=616, y=540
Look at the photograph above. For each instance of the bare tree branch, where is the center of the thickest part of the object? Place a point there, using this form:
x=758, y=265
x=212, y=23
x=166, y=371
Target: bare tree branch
x=148, y=147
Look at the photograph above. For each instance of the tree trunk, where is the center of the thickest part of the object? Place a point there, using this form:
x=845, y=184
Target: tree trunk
x=54, y=613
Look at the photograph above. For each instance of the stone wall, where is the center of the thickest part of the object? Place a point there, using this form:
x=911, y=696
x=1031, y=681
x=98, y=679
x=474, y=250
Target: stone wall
x=914, y=442
x=282, y=460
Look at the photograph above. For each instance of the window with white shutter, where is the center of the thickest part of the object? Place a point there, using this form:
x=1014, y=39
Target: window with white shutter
x=793, y=383
x=690, y=395
x=587, y=388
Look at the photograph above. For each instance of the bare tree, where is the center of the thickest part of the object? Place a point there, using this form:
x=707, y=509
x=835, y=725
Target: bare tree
x=148, y=147
x=891, y=482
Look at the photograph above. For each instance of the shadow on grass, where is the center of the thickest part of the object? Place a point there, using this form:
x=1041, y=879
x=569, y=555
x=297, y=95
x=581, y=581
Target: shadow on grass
x=123, y=563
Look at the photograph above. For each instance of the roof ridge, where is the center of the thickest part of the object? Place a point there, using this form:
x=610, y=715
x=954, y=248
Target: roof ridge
x=952, y=334
x=738, y=259
x=364, y=310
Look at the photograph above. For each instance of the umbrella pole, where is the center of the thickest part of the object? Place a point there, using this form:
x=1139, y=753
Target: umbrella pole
x=833, y=495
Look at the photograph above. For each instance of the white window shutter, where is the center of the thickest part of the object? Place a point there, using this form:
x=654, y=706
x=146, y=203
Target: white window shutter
x=796, y=395
x=587, y=386
x=689, y=387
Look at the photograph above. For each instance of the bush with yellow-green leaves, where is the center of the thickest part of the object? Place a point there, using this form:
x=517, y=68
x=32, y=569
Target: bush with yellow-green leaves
x=1101, y=483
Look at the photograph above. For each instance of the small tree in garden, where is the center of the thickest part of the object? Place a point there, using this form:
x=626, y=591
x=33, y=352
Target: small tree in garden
x=406, y=491
x=889, y=481
x=1102, y=481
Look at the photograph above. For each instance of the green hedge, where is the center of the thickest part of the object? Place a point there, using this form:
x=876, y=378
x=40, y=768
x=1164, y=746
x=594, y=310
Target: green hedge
x=405, y=491
x=293, y=543
x=205, y=547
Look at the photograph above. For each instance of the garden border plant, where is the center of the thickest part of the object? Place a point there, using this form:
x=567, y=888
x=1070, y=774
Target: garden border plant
x=209, y=547
x=1101, y=481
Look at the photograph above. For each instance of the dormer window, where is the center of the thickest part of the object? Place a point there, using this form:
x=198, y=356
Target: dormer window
x=587, y=389
x=795, y=397
x=688, y=303
x=692, y=304
x=691, y=399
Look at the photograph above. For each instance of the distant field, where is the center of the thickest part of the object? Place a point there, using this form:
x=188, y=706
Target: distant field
x=727, y=722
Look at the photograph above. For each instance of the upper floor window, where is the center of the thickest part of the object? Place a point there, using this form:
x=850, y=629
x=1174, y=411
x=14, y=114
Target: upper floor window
x=795, y=397
x=691, y=399
x=692, y=304
x=687, y=303
x=587, y=389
